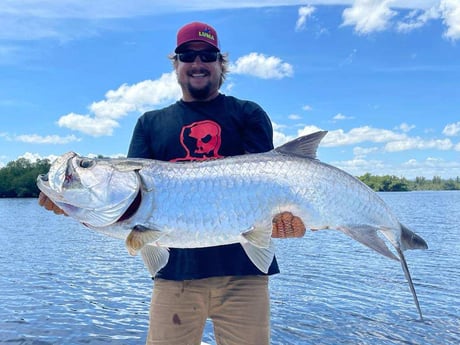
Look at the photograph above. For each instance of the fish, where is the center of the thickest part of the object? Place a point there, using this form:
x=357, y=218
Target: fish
x=156, y=205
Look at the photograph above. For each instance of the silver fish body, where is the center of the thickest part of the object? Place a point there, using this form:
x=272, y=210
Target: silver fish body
x=230, y=200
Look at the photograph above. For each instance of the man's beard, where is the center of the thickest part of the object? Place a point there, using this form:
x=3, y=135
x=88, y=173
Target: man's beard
x=200, y=93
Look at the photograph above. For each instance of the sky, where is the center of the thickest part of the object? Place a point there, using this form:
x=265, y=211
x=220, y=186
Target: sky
x=382, y=77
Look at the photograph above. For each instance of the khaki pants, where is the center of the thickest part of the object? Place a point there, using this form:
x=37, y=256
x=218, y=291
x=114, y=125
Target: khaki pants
x=238, y=306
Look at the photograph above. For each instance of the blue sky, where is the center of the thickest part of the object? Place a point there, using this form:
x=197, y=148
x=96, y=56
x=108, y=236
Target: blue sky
x=383, y=77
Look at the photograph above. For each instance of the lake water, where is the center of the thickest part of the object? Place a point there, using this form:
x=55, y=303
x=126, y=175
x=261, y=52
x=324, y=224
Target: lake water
x=63, y=284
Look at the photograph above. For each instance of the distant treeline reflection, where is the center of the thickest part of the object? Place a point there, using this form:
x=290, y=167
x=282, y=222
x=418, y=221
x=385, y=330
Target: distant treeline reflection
x=18, y=179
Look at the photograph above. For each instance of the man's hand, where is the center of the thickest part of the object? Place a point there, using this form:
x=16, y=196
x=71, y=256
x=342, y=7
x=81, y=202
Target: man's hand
x=286, y=225
x=46, y=202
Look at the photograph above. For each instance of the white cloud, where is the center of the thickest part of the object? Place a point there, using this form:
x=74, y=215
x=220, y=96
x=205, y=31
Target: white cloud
x=360, y=134
x=307, y=108
x=262, y=66
x=94, y=126
x=361, y=152
x=32, y=157
x=310, y=129
x=340, y=116
x=417, y=18
x=48, y=139
x=452, y=129
x=118, y=103
x=393, y=141
x=137, y=97
x=294, y=117
x=418, y=143
x=450, y=10
x=405, y=127
x=304, y=13
x=34, y=20
x=368, y=15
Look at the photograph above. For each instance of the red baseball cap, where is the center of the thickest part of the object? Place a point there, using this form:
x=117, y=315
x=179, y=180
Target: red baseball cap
x=197, y=31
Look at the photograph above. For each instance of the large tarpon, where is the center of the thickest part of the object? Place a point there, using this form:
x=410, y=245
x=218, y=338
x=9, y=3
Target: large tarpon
x=154, y=205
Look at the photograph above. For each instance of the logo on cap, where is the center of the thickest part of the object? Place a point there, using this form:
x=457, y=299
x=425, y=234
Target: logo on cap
x=206, y=33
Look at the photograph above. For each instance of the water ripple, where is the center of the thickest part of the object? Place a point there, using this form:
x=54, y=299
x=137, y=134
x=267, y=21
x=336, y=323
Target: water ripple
x=60, y=281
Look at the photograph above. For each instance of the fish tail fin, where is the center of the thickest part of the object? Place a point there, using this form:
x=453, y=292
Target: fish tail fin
x=410, y=240
x=409, y=280
x=368, y=236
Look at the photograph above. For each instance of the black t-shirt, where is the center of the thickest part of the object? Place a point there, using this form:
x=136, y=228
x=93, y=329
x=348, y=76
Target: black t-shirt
x=188, y=131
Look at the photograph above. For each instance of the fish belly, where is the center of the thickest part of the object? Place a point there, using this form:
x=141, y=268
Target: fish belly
x=202, y=204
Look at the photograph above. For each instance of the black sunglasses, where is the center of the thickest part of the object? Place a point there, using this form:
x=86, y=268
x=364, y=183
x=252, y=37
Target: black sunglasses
x=205, y=55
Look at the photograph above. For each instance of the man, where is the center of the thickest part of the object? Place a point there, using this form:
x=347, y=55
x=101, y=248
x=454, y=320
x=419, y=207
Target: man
x=219, y=283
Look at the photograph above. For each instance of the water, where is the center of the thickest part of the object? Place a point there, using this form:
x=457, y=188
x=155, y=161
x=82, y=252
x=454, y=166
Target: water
x=63, y=284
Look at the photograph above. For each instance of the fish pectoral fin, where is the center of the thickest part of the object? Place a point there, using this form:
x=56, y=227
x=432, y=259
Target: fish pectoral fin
x=139, y=237
x=368, y=236
x=155, y=258
x=260, y=257
x=259, y=235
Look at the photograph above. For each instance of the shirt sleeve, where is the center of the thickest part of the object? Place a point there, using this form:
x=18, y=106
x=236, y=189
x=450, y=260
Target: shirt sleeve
x=258, y=130
x=139, y=146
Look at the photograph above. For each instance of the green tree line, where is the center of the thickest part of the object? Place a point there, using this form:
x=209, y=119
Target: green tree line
x=391, y=183
x=18, y=179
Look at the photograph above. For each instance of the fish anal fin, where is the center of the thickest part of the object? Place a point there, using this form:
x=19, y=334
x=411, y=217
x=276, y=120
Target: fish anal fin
x=368, y=236
x=260, y=257
x=139, y=237
x=154, y=258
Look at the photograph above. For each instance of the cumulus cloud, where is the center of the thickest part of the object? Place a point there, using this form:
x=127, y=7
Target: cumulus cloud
x=418, y=143
x=104, y=115
x=446, y=10
x=452, y=129
x=393, y=141
x=94, y=126
x=118, y=103
x=304, y=13
x=361, y=134
x=450, y=11
x=32, y=157
x=262, y=66
x=368, y=15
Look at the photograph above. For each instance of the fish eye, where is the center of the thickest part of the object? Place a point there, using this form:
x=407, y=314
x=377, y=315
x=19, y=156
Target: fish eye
x=86, y=163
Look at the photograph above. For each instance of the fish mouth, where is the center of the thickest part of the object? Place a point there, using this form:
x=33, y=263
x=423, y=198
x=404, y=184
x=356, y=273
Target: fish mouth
x=52, y=183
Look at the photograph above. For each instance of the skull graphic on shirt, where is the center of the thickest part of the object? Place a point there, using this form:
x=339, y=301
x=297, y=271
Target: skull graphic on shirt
x=201, y=140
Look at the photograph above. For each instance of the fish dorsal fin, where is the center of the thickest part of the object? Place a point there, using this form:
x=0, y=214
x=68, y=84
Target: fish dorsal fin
x=304, y=146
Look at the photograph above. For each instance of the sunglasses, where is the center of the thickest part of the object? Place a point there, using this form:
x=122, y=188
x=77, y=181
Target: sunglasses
x=205, y=55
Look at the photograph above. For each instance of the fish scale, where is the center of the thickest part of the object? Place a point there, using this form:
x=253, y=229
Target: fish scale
x=223, y=201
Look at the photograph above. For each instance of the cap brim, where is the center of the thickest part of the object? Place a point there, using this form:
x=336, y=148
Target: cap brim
x=183, y=46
